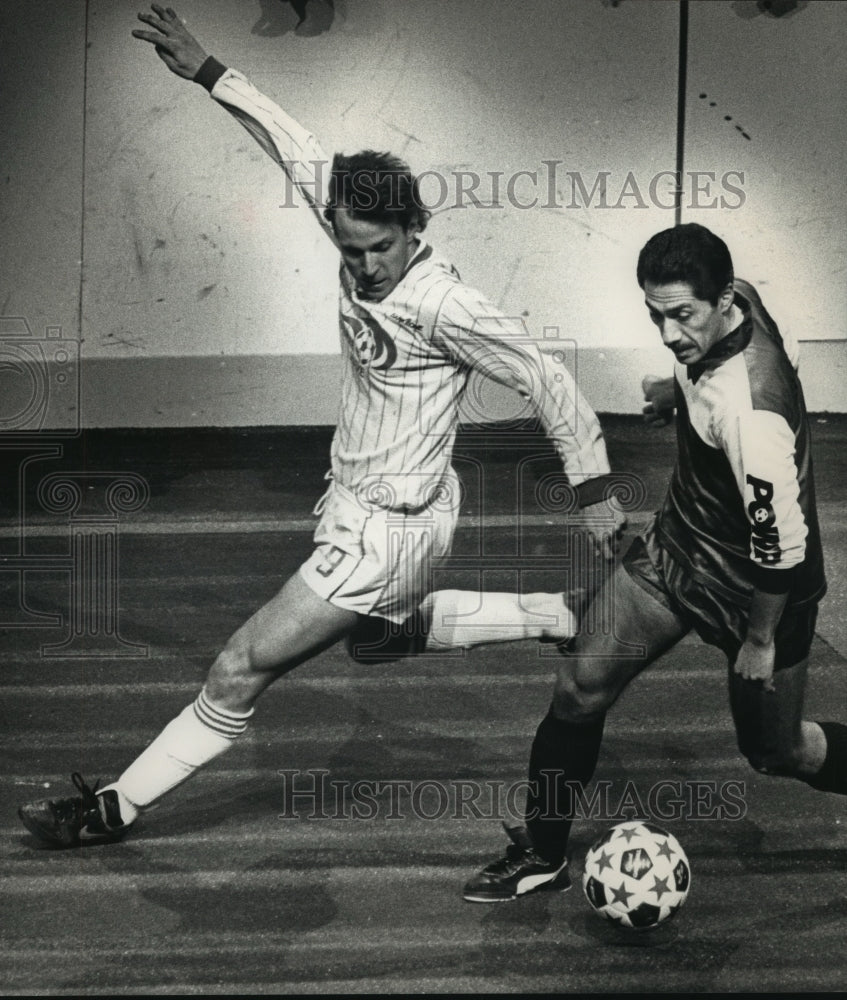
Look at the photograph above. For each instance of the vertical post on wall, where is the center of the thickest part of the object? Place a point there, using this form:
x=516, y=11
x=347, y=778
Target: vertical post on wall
x=82, y=206
x=680, y=107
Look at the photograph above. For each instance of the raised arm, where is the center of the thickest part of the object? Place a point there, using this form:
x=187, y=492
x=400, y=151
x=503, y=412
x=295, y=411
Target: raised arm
x=288, y=144
x=482, y=338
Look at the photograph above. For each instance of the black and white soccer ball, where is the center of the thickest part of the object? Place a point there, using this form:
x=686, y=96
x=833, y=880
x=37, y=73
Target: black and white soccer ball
x=636, y=875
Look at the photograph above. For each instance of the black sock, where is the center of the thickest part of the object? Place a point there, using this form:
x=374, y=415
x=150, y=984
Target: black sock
x=563, y=753
x=832, y=776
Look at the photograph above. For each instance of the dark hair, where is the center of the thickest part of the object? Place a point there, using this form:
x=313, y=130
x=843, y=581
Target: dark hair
x=376, y=186
x=689, y=253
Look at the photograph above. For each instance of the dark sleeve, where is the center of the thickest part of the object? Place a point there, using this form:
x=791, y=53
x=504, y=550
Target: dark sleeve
x=772, y=581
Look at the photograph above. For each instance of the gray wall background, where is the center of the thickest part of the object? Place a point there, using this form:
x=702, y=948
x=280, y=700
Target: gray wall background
x=143, y=230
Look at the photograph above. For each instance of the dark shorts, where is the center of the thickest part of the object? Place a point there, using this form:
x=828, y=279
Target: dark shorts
x=720, y=620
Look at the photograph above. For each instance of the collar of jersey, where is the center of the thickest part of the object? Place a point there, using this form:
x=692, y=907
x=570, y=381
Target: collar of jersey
x=730, y=345
x=424, y=252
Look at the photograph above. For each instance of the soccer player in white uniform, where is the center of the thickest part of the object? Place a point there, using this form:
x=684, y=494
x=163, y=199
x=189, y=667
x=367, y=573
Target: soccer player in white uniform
x=735, y=554
x=411, y=332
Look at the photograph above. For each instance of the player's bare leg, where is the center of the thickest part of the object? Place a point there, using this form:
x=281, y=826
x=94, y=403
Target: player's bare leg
x=629, y=631
x=772, y=733
x=293, y=626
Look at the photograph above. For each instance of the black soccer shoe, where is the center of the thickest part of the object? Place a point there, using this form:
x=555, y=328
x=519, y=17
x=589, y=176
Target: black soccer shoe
x=523, y=870
x=78, y=821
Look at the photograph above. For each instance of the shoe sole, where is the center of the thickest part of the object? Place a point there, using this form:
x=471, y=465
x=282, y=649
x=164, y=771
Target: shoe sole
x=560, y=883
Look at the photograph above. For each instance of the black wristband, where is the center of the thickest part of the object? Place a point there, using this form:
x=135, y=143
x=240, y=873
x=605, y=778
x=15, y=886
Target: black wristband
x=209, y=73
x=594, y=490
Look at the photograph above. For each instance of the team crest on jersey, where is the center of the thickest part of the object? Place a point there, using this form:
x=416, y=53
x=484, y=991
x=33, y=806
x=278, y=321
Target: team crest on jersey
x=372, y=345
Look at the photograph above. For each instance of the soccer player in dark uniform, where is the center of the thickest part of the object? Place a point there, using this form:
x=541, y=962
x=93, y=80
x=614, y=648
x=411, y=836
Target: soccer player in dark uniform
x=734, y=554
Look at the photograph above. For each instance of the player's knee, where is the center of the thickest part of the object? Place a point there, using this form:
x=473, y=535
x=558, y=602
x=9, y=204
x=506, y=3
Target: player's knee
x=577, y=702
x=231, y=679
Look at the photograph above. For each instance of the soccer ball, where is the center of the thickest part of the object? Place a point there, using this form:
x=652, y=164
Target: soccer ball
x=637, y=875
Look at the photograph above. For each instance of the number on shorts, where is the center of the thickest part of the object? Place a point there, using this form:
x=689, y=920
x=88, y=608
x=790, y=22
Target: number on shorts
x=331, y=562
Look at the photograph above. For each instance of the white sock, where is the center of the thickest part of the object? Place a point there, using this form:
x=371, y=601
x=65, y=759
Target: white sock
x=463, y=618
x=201, y=732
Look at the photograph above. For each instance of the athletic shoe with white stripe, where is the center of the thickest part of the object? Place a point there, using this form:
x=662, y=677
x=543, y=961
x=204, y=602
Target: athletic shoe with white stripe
x=521, y=871
x=77, y=821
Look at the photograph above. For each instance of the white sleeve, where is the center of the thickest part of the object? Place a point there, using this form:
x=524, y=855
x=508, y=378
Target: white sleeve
x=480, y=337
x=760, y=447
x=286, y=141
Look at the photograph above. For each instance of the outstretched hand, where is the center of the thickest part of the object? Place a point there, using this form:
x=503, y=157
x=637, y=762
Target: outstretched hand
x=178, y=49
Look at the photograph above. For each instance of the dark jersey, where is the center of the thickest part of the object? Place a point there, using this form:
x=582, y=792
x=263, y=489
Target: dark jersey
x=740, y=510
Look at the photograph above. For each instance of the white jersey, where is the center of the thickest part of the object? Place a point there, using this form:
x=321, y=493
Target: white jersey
x=407, y=358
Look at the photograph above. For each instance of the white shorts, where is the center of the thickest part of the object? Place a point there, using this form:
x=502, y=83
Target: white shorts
x=375, y=561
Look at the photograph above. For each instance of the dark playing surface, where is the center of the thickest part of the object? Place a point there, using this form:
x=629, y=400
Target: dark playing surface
x=327, y=851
